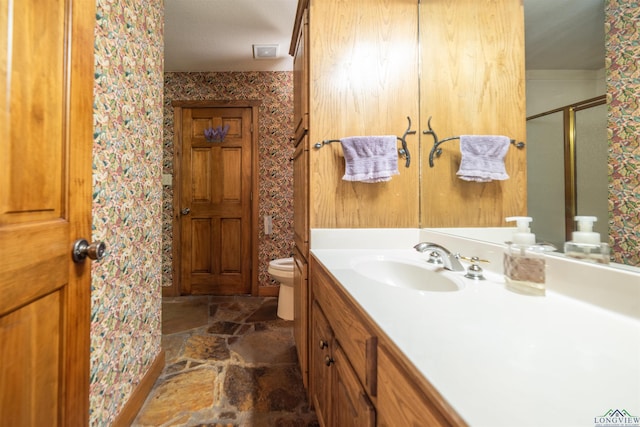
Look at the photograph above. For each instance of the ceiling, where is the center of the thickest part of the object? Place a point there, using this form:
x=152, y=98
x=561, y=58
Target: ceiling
x=218, y=35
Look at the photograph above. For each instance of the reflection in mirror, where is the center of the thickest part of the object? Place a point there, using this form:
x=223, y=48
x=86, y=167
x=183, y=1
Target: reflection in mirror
x=555, y=85
x=567, y=169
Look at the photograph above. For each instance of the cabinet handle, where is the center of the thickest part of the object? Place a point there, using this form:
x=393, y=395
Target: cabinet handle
x=323, y=344
x=328, y=360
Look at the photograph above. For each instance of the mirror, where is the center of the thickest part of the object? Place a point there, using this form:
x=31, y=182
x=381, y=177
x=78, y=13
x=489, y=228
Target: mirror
x=566, y=116
x=565, y=52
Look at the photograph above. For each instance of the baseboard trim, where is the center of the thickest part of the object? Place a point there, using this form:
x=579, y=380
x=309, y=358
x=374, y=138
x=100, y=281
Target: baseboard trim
x=139, y=395
x=268, y=291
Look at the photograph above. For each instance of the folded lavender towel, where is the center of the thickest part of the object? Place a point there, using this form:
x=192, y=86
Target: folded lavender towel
x=370, y=158
x=483, y=157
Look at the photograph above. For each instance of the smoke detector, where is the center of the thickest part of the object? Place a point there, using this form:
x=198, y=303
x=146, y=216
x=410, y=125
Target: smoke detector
x=265, y=51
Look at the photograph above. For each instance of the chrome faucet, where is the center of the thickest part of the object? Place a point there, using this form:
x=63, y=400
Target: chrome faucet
x=449, y=261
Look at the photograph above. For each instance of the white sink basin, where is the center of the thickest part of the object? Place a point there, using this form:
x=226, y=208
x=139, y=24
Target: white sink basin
x=406, y=274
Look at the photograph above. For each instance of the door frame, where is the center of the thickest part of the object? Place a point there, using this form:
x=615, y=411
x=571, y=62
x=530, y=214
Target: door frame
x=176, y=286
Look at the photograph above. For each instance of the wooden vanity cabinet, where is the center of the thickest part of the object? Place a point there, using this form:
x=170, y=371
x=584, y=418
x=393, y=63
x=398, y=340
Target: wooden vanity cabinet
x=358, y=377
x=322, y=344
x=336, y=393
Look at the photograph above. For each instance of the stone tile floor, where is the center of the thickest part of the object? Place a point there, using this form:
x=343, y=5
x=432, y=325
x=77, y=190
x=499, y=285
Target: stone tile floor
x=230, y=362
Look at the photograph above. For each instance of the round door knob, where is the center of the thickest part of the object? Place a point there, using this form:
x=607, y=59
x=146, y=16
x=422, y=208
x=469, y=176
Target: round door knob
x=185, y=211
x=323, y=344
x=83, y=249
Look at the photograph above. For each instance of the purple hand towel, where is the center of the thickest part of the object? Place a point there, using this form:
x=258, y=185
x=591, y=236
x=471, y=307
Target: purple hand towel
x=483, y=157
x=370, y=158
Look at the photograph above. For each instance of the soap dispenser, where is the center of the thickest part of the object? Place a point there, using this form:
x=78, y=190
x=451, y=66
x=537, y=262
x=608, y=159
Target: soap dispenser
x=524, y=261
x=585, y=243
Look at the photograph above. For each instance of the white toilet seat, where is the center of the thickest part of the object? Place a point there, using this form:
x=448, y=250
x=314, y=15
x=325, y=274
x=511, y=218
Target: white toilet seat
x=282, y=264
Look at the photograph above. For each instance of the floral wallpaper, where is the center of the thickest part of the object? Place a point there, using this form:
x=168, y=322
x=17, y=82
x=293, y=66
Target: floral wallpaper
x=127, y=200
x=132, y=210
x=622, y=35
x=275, y=171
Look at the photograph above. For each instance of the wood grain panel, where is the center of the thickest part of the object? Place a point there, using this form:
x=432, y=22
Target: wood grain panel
x=230, y=250
x=472, y=82
x=301, y=196
x=321, y=375
x=199, y=125
x=235, y=126
x=351, y=406
x=301, y=313
x=44, y=271
x=33, y=164
x=202, y=181
x=301, y=78
x=24, y=334
x=231, y=174
x=363, y=81
x=201, y=245
x=397, y=401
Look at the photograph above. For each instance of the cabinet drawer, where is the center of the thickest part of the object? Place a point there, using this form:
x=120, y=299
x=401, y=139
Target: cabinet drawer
x=357, y=341
x=351, y=406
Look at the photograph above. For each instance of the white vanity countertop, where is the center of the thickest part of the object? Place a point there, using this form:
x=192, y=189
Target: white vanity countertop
x=499, y=358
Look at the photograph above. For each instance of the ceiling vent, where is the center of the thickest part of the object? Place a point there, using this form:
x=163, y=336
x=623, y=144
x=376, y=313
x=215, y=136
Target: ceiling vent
x=265, y=51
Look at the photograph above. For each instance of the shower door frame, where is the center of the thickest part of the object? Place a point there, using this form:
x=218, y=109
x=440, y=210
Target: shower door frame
x=570, y=169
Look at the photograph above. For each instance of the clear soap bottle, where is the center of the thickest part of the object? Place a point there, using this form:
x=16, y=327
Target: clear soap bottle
x=524, y=260
x=585, y=243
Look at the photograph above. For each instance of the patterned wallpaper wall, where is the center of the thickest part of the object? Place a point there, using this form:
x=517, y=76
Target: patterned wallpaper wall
x=127, y=200
x=130, y=154
x=275, y=174
x=623, y=91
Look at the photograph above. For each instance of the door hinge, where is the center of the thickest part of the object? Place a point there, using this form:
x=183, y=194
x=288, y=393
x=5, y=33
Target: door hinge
x=251, y=128
x=251, y=196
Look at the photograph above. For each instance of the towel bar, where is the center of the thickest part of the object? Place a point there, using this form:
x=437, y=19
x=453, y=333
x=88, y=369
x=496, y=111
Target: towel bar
x=435, y=150
x=403, y=152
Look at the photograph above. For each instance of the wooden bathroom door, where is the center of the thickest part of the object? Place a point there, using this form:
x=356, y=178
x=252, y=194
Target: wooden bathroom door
x=215, y=209
x=46, y=125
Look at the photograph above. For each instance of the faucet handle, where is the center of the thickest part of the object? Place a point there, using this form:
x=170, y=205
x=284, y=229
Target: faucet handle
x=474, y=271
x=435, y=258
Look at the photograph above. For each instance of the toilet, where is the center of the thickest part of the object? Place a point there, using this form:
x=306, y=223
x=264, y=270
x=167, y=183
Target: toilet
x=282, y=271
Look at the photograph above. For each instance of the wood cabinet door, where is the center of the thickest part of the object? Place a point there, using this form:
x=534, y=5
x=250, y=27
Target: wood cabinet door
x=301, y=79
x=46, y=87
x=301, y=196
x=301, y=313
x=321, y=366
x=351, y=406
x=215, y=202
